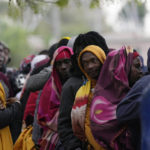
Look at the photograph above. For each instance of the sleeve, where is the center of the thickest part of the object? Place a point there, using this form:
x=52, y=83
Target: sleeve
x=9, y=114
x=37, y=130
x=67, y=137
x=36, y=82
x=129, y=108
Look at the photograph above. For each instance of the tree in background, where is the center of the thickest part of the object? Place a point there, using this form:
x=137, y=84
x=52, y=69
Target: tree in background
x=51, y=21
x=134, y=12
x=15, y=37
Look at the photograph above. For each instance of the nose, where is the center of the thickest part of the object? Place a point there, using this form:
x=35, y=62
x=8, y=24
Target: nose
x=90, y=66
x=63, y=66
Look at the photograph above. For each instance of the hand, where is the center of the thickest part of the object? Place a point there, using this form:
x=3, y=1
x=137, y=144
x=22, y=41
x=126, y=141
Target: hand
x=12, y=100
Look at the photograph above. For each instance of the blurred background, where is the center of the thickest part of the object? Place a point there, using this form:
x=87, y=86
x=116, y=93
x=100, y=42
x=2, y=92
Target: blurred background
x=28, y=26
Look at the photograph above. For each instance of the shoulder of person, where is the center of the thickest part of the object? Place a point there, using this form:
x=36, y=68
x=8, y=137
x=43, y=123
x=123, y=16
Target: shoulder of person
x=144, y=79
x=73, y=81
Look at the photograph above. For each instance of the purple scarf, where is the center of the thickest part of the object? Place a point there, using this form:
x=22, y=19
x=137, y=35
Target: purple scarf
x=111, y=87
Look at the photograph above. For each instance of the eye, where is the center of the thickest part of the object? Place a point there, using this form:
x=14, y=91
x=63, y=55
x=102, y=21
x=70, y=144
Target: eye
x=94, y=60
x=67, y=61
x=84, y=63
x=58, y=63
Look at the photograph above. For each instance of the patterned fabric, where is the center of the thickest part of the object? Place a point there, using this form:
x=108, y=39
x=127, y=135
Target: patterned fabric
x=48, y=110
x=5, y=135
x=2, y=97
x=37, y=59
x=111, y=87
x=79, y=110
x=80, y=114
x=63, y=54
x=25, y=64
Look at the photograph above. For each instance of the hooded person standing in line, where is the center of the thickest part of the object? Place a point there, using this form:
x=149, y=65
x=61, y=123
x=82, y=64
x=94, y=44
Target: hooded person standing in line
x=122, y=68
x=67, y=137
x=134, y=108
x=49, y=103
x=90, y=60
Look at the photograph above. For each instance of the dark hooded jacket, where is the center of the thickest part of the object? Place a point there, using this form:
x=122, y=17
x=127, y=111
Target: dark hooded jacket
x=128, y=110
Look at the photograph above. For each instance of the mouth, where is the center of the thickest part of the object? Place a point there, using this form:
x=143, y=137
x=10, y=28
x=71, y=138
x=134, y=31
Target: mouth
x=93, y=71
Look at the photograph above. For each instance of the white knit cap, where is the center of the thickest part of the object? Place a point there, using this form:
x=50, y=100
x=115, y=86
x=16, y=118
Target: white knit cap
x=37, y=59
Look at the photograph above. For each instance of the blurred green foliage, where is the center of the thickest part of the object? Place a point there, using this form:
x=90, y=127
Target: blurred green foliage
x=127, y=11
x=34, y=4
x=16, y=34
x=72, y=22
x=15, y=37
x=62, y=3
x=94, y=3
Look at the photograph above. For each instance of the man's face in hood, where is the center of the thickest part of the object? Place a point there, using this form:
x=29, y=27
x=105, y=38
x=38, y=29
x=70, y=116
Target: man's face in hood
x=91, y=65
x=63, y=67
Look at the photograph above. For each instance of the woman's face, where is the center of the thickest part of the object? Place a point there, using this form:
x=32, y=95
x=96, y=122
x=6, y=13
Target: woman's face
x=136, y=71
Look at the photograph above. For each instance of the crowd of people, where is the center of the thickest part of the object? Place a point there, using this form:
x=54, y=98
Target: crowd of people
x=77, y=95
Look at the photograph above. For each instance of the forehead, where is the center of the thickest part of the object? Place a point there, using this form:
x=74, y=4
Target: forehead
x=87, y=56
x=62, y=60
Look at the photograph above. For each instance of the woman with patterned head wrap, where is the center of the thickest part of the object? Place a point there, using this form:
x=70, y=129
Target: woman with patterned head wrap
x=133, y=109
x=120, y=71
